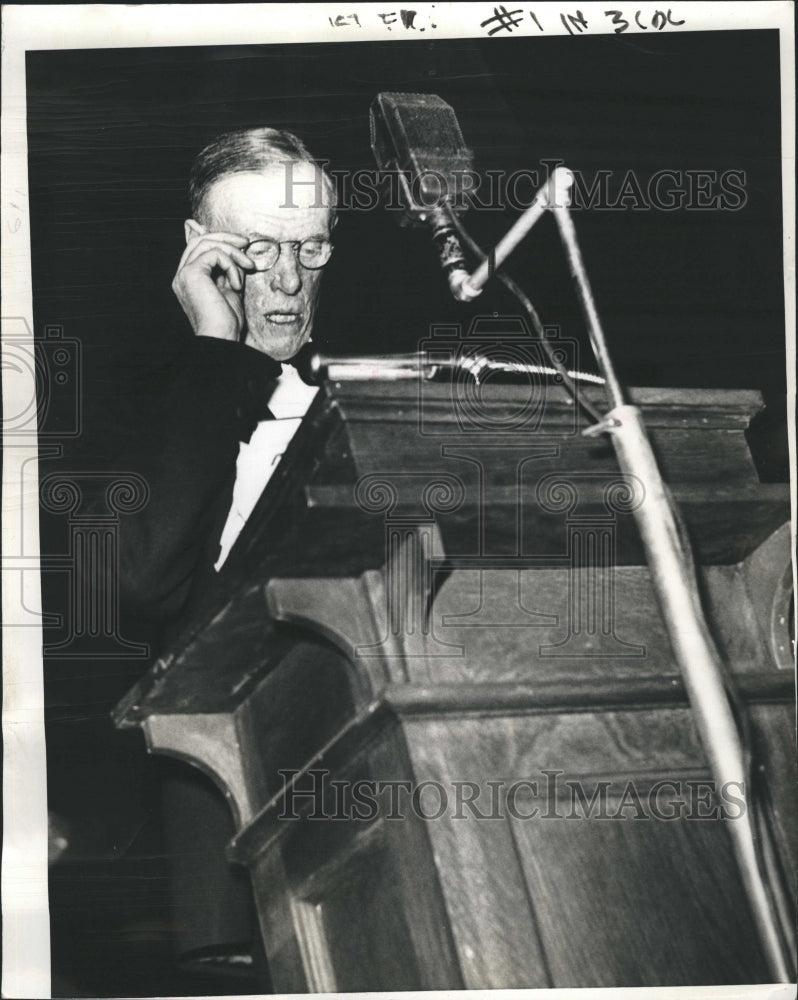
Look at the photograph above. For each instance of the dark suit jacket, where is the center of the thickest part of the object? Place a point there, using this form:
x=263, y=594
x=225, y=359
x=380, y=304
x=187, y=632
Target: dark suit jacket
x=179, y=428
x=177, y=422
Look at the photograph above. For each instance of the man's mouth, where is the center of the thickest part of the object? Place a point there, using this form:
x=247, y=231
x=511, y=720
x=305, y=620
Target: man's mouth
x=282, y=318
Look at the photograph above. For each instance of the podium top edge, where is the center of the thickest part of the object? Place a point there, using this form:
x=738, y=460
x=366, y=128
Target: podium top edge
x=737, y=406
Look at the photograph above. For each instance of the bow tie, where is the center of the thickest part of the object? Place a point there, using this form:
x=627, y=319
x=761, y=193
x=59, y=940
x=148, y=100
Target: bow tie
x=301, y=361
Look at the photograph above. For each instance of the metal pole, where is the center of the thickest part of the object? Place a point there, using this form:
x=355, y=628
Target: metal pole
x=677, y=593
x=597, y=339
x=466, y=287
x=700, y=666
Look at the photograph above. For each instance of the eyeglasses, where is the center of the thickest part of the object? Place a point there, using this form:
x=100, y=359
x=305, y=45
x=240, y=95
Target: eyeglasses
x=311, y=254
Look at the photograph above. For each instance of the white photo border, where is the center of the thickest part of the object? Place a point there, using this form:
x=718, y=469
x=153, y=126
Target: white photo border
x=26, y=945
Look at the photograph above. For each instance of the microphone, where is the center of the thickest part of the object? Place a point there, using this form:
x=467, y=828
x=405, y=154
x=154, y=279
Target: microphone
x=418, y=137
x=395, y=367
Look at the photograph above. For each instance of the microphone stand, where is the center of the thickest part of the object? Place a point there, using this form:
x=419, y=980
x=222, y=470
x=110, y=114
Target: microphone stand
x=672, y=575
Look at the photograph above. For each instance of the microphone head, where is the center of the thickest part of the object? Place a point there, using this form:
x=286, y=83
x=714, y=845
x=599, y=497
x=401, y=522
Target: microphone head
x=418, y=137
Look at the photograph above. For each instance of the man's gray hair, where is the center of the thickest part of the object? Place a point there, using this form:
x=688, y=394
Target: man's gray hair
x=249, y=150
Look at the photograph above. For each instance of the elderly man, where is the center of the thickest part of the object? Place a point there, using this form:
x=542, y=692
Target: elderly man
x=216, y=416
x=248, y=281
x=255, y=247
x=252, y=193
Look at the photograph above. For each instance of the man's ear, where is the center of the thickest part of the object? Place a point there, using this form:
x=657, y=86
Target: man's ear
x=193, y=228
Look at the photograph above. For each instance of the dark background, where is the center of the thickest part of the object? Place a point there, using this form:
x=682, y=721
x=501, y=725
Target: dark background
x=688, y=298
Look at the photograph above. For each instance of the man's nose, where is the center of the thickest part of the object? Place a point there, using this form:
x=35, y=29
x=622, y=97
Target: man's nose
x=287, y=272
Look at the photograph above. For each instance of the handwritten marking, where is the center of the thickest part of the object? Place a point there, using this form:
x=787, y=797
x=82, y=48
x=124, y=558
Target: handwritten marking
x=507, y=20
x=344, y=20
x=617, y=19
x=534, y=18
x=577, y=21
x=659, y=20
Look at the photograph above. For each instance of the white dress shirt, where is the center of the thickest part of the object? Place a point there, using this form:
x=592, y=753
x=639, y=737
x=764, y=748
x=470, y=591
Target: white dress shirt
x=258, y=459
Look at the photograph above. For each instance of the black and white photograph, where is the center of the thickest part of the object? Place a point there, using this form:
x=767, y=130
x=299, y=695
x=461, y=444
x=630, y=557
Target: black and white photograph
x=398, y=526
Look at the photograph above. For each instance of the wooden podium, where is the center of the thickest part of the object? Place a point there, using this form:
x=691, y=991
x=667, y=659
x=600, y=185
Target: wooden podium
x=434, y=685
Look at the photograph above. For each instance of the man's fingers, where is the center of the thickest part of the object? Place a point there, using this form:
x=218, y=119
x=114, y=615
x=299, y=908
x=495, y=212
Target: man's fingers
x=200, y=249
x=216, y=257
x=199, y=244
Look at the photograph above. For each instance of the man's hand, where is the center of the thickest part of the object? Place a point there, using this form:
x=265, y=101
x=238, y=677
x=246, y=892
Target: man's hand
x=209, y=284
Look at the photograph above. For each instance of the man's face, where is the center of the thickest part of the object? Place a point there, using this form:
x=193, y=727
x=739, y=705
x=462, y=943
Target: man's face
x=279, y=304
